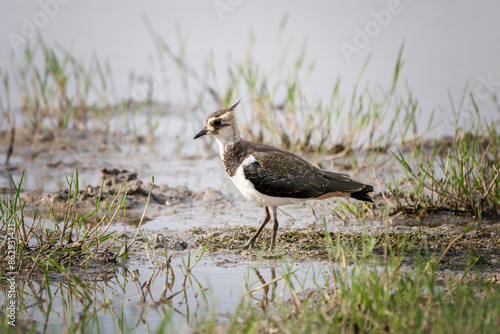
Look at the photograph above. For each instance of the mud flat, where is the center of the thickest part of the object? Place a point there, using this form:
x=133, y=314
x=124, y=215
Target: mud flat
x=220, y=219
x=427, y=236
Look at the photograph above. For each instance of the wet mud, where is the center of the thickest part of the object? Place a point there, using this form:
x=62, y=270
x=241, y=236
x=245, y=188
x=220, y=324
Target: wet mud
x=481, y=244
x=60, y=152
x=122, y=186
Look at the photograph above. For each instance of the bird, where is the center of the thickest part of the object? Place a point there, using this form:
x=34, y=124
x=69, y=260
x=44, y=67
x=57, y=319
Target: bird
x=272, y=177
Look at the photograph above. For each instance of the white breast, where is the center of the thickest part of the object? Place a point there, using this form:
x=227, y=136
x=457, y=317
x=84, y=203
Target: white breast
x=248, y=190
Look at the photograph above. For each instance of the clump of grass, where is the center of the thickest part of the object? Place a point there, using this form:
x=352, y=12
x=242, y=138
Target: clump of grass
x=461, y=176
x=57, y=89
x=68, y=244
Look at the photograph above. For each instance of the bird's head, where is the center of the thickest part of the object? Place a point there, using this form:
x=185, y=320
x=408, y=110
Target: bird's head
x=221, y=125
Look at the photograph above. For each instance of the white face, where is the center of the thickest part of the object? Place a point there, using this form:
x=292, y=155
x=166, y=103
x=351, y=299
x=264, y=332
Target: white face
x=221, y=126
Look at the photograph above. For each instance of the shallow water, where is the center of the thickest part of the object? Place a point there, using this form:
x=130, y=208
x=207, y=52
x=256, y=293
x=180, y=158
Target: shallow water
x=216, y=284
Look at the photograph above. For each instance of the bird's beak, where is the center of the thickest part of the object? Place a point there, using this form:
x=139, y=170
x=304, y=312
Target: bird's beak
x=201, y=133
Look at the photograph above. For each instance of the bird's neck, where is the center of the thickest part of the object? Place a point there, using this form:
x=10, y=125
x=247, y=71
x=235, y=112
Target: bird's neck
x=232, y=153
x=226, y=144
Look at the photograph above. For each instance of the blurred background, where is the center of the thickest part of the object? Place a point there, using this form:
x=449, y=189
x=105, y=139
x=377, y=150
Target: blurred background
x=449, y=46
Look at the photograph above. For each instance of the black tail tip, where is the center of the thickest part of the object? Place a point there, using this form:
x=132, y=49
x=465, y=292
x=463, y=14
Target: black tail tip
x=362, y=195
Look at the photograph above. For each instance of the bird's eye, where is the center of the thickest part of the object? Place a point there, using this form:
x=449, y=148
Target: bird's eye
x=217, y=122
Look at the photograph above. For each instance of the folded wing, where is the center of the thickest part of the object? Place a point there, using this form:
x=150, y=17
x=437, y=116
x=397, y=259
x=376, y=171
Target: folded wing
x=282, y=174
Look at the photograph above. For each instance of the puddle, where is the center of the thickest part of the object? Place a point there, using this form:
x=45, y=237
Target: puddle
x=124, y=303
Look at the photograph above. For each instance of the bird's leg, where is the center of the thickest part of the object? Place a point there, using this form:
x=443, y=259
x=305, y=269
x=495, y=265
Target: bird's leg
x=275, y=227
x=251, y=242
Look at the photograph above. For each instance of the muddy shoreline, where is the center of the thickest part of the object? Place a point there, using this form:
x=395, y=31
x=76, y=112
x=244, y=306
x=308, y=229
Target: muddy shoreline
x=427, y=236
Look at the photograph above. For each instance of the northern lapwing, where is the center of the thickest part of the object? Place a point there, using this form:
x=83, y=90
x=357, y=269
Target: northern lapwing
x=272, y=177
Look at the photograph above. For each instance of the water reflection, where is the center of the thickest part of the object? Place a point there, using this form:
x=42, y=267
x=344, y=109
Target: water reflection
x=145, y=299
x=266, y=298
x=120, y=300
